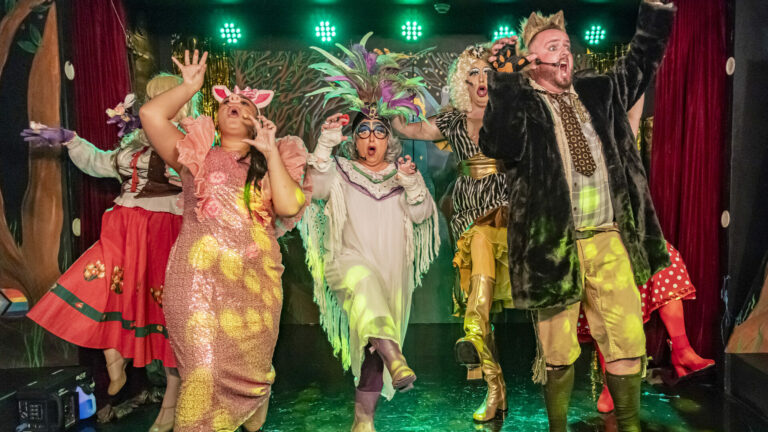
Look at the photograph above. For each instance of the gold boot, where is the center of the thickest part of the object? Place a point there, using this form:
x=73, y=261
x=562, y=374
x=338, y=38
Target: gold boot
x=476, y=322
x=477, y=347
x=495, y=402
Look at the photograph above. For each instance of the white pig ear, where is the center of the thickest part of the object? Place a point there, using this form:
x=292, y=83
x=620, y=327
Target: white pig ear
x=220, y=93
x=263, y=98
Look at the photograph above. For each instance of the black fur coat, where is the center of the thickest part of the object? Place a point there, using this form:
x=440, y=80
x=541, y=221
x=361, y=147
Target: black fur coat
x=518, y=129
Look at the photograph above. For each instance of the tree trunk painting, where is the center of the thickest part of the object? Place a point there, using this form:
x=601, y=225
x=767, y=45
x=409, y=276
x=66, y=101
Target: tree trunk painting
x=33, y=266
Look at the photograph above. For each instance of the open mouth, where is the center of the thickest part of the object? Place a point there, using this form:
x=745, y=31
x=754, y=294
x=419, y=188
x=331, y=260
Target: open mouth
x=563, y=67
x=371, y=151
x=482, y=91
x=233, y=112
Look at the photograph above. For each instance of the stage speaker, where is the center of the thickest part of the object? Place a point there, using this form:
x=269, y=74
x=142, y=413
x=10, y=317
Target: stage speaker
x=51, y=399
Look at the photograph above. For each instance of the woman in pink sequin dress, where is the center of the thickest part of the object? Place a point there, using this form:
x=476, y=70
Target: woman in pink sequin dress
x=223, y=292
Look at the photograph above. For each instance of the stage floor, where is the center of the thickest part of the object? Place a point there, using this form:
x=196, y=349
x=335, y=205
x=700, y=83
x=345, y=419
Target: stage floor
x=312, y=394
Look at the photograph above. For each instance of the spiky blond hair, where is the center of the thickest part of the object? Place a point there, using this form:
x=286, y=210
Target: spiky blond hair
x=537, y=23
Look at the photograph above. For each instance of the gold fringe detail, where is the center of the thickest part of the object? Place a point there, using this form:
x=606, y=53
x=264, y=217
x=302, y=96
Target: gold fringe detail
x=539, y=368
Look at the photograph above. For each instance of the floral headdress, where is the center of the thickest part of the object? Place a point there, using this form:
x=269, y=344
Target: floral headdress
x=126, y=121
x=372, y=83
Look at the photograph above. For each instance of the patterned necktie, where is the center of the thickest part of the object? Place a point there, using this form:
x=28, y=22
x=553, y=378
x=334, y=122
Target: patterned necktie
x=577, y=142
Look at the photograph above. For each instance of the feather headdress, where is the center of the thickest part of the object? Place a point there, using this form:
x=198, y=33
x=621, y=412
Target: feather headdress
x=372, y=83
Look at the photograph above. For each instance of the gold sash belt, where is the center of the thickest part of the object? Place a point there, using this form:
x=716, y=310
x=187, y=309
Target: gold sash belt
x=479, y=166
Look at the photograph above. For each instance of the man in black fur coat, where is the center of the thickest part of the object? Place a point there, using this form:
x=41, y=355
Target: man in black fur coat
x=582, y=227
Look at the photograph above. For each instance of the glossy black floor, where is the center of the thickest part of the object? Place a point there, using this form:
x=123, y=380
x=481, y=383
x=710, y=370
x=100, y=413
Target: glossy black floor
x=312, y=393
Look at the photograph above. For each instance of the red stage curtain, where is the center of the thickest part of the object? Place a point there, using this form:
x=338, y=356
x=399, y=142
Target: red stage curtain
x=687, y=157
x=101, y=81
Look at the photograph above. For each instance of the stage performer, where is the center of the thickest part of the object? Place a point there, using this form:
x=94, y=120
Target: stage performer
x=664, y=292
x=372, y=232
x=111, y=298
x=582, y=228
x=242, y=189
x=479, y=220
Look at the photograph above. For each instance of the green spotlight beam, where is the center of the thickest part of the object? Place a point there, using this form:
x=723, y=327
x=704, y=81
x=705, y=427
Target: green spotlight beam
x=504, y=31
x=230, y=34
x=594, y=35
x=411, y=31
x=325, y=31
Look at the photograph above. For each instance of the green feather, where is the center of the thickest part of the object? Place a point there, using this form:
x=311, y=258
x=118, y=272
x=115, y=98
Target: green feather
x=332, y=58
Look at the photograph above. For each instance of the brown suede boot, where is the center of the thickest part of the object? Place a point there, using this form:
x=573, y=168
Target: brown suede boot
x=402, y=376
x=365, y=410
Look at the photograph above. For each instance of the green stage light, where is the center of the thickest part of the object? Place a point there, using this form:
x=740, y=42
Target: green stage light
x=230, y=33
x=325, y=31
x=594, y=35
x=411, y=31
x=503, y=32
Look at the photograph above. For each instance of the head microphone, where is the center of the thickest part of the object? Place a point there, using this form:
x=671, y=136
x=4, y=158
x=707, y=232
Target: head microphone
x=539, y=62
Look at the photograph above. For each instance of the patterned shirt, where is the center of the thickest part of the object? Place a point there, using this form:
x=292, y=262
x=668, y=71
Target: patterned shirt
x=590, y=196
x=472, y=198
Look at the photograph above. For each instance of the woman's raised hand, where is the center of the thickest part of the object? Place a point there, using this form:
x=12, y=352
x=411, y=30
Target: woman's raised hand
x=193, y=71
x=265, y=135
x=406, y=166
x=331, y=135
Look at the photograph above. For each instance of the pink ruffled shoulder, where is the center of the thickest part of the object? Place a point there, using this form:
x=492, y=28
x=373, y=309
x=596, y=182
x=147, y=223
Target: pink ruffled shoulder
x=193, y=148
x=197, y=142
x=294, y=156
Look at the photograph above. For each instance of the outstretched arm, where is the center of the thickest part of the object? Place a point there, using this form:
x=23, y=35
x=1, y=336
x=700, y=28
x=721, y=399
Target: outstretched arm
x=503, y=134
x=416, y=200
x=423, y=130
x=633, y=73
x=635, y=115
x=92, y=160
x=157, y=114
x=86, y=156
x=320, y=161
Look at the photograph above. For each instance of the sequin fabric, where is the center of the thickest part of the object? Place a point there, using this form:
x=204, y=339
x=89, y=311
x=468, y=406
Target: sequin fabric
x=223, y=296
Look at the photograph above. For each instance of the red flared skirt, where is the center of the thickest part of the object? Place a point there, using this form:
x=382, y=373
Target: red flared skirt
x=112, y=296
x=672, y=283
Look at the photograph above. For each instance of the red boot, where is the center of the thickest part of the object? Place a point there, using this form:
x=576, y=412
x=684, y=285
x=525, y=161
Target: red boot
x=605, y=401
x=684, y=359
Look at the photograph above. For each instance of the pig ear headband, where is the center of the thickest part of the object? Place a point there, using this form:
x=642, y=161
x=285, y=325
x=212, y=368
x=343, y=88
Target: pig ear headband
x=260, y=98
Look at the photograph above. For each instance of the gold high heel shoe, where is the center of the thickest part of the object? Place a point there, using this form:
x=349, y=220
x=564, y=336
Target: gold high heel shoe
x=116, y=369
x=164, y=427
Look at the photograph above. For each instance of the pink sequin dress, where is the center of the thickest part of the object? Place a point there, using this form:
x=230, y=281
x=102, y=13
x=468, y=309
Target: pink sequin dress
x=223, y=292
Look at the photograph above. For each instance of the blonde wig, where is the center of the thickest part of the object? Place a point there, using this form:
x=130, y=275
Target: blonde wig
x=458, y=72
x=163, y=82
